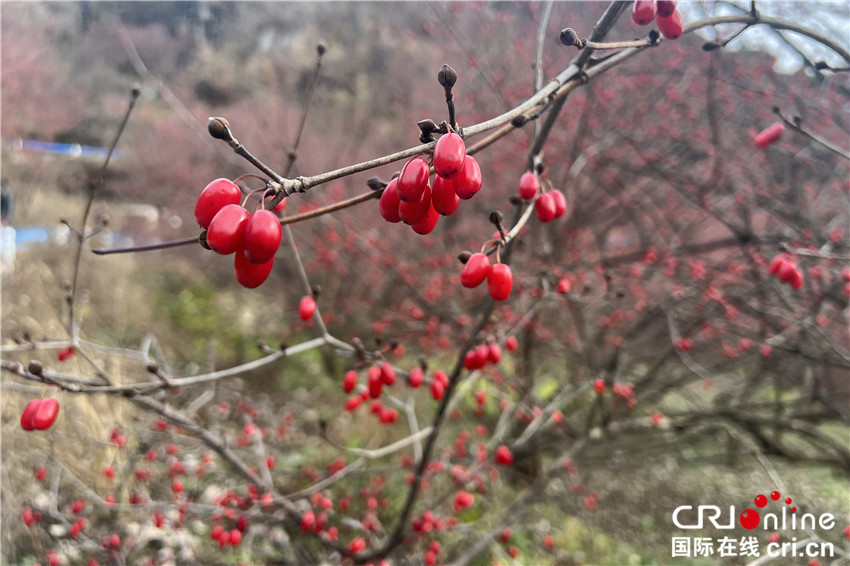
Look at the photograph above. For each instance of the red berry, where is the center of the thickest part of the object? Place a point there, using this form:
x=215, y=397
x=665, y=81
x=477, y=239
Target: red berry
x=468, y=181
x=643, y=12
x=29, y=413
x=214, y=197
x=443, y=196
x=796, y=279
x=463, y=499
x=599, y=385
x=560, y=202
x=665, y=8
x=511, y=343
x=494, y=353
x=504, y=457
x=528, y=185
x=777, y=263
x=500, y=281
x=177, y=486
x=235, y=537
x=65, y=353
x=413, y=179
x=412, y=211
x=307, y=307
x=45, y=414
x=262, y=236
x=356, y=545
x=769, y=135
x=544, y=207
x=77, y=506
x=672, y=26
x=449, y=155
x=786, y=272
x=389, y=202
x=564, y=286
x=353, y=402
x=475, y=271
x=376, y=382
x=416, y=377
x=40, y=473
x=428, y=222
x=224, y=235
x=387, y=373
x=250, y=274
x=442, y=377
x=437, y=389
x=349, y=382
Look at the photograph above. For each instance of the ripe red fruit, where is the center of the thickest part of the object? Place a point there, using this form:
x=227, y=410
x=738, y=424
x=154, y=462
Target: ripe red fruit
x=65, y=353
x=599, y=385
x=776, y=263
x=564, y=286
x=511, y=343
x=349, y=382
x=769, y=135
x=786, y=272
x=437, y=389
x=528, y=185
x=40, y=473
x=376, y=382
x=224, y=234
x=214, y=197
x=560, y=202
x=500, y=281
x=463, y=499
x=387, y=373
x=29, y=413
x=262, y=236
x=235, y=537
x=643, y=12
x=475, y=271
x=428, y=222
x=544, y=207
x=672, y=26
x=504, y=457
x=449, y=155
x=45, y=414
x=412, y=211
x=413, y=179
x=416, y=377
x=665, y=8
x=250, y=274
x=468, y=180
x=307, y=307
x=443, y=196
x=389, y=202
x=78, y=506
x=494, y=353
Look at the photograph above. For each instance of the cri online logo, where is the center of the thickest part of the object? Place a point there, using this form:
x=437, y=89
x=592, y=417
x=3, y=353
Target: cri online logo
x=750, y=518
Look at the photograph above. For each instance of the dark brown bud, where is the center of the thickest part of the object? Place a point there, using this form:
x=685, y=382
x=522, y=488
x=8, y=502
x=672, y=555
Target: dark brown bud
x=316, y=291
x=219, y=128
x=463, y=257
x=710, y=46
x=35, y=368
x=653, y=36
x=821, y=65
x=515, y=200
x=428, y=126
x=152, y=367
x=569, y=37
x=447, y=77
x=202, y=239
x=322, y=47
x=496, y=218
x=519, y=121
x=376, y=184
x=136, y=91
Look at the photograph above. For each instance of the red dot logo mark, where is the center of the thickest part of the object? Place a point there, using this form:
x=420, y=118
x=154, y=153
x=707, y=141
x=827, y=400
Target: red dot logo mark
x=760, y=501
x=749, y=519
x=775, y=495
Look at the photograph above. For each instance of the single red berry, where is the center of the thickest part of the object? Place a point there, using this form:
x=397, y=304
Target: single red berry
x=29, y=413
x=66, y=353
x=413, y=211
x=528, y=185
x=443, y=196
x=389, y=202
x=307, y=307
x=77, y=506
x=449, y=155
x=262, y=236
x=665, y=8
x=235, y=537
x=505, y=535
x=560, y=202
x=564, y=286
x=463, y=499
x=413, y=179
x=599, y=385
x=500, y=281
x=40, y=473
x=437, y=389
x=387, y=373
x=672, y=26
x=416, y=377
x=504, y=457
x=786, y=272
x=349, y=382
x=468, y=180
x=776, y=263
x=177, y=486
x=428, y=222
x=511, y=343
x=475, y=271
x=769, y=135
x=796, y=279
x=643, y=12
x=250, y=274
x=356, y=545
x=214, y=197
x=375, y=382
x=544, y=207
x=442, y=377
x=353, y=402
x=494, y=353
x=45, y=414
x=224, y=234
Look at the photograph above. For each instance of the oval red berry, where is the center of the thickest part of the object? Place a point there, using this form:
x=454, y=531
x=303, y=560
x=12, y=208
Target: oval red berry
x=214, y=197
x=413, y=179
x=449, y=154
x=468, y=180
x=389, y=203
x=46, y=413
x=262, y=236
x=500, y=281
x=475, y=271
x=250, y=274
x=224, y=235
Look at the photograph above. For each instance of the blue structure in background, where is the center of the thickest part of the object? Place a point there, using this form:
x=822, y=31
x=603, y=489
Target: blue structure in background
x=71, y=149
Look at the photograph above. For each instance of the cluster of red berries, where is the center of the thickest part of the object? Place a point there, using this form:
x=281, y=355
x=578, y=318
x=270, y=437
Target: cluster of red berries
x=477, y=358
x=40, y=414
x=787, y=271
x=769, y=135
x=224, y=537
x=410, y=199
x=668, y=18
x=548, y=205
x=230, y=228
x=500, y=280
